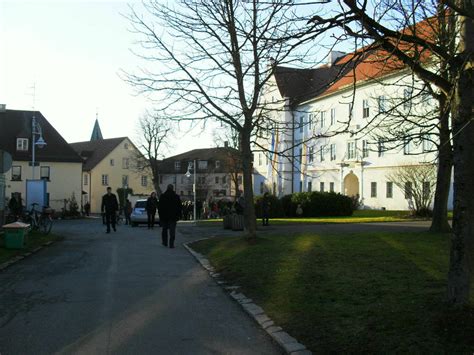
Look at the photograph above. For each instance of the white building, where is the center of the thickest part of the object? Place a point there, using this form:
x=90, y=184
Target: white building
x=338, y=128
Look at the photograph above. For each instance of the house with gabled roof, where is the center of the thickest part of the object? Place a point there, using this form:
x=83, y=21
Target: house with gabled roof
x=218, y=173
x=56, y=163
x=110, y=162
x=347, y=127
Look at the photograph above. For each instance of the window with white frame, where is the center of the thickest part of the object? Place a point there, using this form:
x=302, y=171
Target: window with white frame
x=407, y=146
x=321, y=186
x=174, y=180
x=373, y=189
x=426, y=189
x=333, y=151
x=323, y=119
x=365, y=149
x=408, y=190
x=16, y=173
x=125, y=163
x=380, y=147
x=202, y=164
x=105, y=180
x=177, y=165
x=45, y=173
x=331, y=187
x=333, y=116
x=22, y=144
x=144, y=180
x=427, y=143
x=260, y=160
x=322, y=153
x=365, y=108
x=382, y=103
x=86, y=179
x=310, y=154
x=218, y=164
x=389, y=189
x=351, y=150
x=407, y=96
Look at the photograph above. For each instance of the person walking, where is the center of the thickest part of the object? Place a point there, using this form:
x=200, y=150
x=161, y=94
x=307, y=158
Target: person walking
x=169, y=209
x=109, y=208
x=265, y=209
x=151, y=206
x=127, y=211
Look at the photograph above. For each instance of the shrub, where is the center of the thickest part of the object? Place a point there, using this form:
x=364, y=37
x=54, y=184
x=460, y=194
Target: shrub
x=276, y=206
x=317, y=204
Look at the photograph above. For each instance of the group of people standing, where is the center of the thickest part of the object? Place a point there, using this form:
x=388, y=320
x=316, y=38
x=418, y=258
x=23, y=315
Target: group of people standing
x=169, y=210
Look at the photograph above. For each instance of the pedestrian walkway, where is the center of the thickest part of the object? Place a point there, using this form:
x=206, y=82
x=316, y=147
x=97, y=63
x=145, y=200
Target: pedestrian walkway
x=120, y=293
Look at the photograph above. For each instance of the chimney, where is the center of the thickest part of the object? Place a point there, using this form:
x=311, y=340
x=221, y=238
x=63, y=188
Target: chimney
x=333, y=56
x=3, y=107
x=226, y=144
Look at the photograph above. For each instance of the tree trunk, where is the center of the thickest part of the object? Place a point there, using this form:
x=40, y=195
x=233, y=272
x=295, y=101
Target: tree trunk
x=462, y=244
x=247, y=167
x=440, y=222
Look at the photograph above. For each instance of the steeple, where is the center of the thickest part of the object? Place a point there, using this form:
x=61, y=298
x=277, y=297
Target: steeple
x=96, y=133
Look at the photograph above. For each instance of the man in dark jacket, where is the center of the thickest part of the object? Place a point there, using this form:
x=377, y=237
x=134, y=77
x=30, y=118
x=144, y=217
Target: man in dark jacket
x=151, y=205
x=110, y=207
x=169, y=209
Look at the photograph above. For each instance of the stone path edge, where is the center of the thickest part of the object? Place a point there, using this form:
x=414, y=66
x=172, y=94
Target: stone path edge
x=17, y=258
x=289, y=344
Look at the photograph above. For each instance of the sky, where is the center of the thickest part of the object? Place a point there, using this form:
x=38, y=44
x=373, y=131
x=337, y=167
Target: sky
x=63, y=58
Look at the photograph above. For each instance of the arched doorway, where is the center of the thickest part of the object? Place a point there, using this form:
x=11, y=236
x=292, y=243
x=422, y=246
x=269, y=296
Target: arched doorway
x=351, y=184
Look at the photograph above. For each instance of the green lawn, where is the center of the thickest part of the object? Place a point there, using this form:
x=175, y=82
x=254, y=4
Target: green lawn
x=350, y=293
x=33, y=240
x=359, y=216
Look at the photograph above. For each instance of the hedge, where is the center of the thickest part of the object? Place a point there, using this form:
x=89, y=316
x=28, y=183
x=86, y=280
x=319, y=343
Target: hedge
x=313, y=204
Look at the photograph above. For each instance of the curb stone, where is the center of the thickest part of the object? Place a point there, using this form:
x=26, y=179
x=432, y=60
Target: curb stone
x=289, y=344
x=14, y=260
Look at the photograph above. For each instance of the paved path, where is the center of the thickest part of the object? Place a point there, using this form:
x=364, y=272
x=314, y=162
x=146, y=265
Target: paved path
x=120, y=293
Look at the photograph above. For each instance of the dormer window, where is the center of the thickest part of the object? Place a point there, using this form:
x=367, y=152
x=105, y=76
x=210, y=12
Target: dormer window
x=218, y=164
x=22, y=144
x=177, y=165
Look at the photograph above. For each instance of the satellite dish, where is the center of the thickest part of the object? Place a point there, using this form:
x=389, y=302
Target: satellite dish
x=5, y=161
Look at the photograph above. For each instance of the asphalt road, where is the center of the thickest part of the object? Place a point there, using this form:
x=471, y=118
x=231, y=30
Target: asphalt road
x=120, y=293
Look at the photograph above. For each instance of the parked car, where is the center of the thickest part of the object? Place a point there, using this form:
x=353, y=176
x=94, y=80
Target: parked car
x=139, y=214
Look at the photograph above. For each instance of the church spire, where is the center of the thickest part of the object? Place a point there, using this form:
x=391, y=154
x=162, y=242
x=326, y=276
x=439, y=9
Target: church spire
x=96, y=133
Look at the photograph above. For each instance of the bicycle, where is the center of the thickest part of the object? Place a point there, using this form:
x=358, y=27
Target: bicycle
x=41, y=221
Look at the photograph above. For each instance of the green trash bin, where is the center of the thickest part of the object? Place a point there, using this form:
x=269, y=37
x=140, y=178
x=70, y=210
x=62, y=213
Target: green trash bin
x=15, y=235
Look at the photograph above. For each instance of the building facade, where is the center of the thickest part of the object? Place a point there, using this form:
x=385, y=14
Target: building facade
x=346, y=127
x=110, y=162
x=218, y=174
x=56, y=162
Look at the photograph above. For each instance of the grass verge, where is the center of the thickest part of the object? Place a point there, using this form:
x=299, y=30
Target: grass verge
x=33, y=240
x=359, y=216
x=378, y=292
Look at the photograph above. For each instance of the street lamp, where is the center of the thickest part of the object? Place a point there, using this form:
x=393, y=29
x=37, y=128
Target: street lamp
x=40, y=142
x=188, y=175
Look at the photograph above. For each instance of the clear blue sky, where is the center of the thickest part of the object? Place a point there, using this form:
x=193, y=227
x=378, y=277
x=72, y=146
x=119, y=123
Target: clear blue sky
x=73, y=51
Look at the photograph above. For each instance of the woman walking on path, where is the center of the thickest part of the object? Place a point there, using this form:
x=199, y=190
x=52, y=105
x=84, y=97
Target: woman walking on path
x=151, y=206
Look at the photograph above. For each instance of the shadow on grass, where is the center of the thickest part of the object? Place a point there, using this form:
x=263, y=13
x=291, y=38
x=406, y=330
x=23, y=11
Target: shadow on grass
x=377, y=292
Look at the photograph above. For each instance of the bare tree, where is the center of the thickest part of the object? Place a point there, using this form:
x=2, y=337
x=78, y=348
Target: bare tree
x=418, y=182
x=213, y=61
x=384, y=27
x=153, y=132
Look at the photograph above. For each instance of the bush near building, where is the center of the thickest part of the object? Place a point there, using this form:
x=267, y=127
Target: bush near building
x=313, y=204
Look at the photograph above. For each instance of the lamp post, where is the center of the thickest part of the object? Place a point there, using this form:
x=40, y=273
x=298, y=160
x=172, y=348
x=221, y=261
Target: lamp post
x=35, y=131
x=188, y=175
